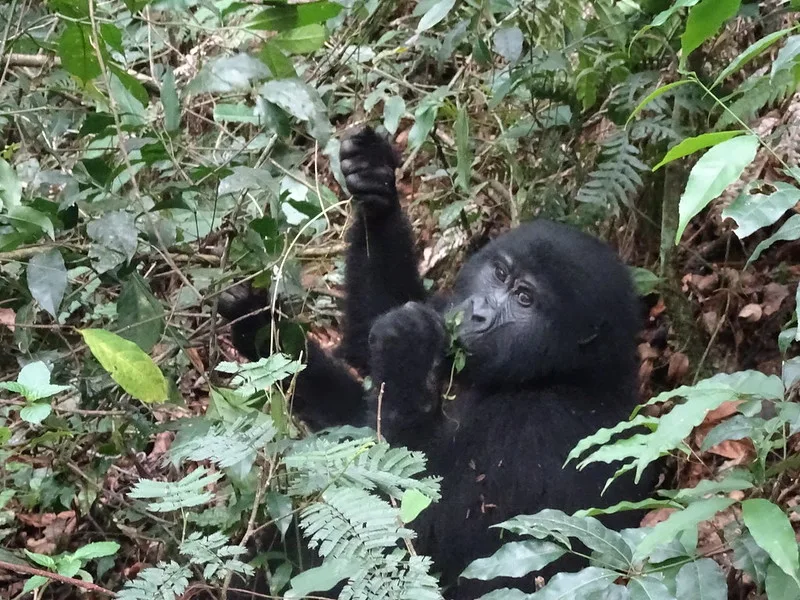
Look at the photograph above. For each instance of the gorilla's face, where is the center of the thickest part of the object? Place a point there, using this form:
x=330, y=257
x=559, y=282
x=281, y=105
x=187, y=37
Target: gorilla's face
x=544, y=301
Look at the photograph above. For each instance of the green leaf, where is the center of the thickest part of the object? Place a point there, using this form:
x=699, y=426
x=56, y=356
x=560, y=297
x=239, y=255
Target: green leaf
x=303, y=40
x=394, y=107
x=678, y=522
x=751, y=212
x=693, y=144
x=664, y=15
x=176, y=495
x=48, y=562
x=463, y=153
x=435, y=13
x=737, y=427
x=76, y=52
x=644, y=281
x=33, y=382
x=277, y=62
x=705, y=20
x=96, y=550
x=140, y=314
x=647, y=587
x=33, y=583
x=25, y=218
x=281, y=18
x=10, y=186
x=302, y=102
x=515, y=559
x=771, y=529
x=753, y=51
x=131, y=109
x=412, y=503
x=322, y=578
x=625, y=505
x=170, y=101
x=47, y=280
x=127, y=364
x=701, y=579
x=751, y=558
x=715, y=171
x=780, y=586
x=788, y=232
x=279, y=507
x=655, y=94
x=786, y=56
x=35, y=413
x=507, y=42
x=227, y=74
x=591, y=582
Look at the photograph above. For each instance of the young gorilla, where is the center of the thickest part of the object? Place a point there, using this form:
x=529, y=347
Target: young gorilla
x=549, y=325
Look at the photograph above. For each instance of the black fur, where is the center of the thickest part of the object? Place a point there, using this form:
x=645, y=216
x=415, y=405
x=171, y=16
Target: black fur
x=539, y=376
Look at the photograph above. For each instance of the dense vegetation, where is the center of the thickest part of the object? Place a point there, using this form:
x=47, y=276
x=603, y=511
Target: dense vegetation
x=156, y=152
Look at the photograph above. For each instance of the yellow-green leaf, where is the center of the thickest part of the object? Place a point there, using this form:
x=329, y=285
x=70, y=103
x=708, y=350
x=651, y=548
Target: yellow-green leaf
x=128, y=365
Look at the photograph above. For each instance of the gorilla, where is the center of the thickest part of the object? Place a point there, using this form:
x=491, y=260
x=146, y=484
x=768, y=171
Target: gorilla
x=548, y=322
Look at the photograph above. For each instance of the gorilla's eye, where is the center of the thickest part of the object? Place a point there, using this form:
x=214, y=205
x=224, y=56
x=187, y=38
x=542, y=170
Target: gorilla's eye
x=501, y=273
x=524, y=298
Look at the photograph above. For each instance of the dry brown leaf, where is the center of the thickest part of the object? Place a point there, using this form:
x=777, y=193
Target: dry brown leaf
x=647, y=352
x=654, y=517
x=774, y=295
x=751, y=313
x=710, y=321
x=739, y=451
x=194, y=356
x=678, y=367
x=722, y=412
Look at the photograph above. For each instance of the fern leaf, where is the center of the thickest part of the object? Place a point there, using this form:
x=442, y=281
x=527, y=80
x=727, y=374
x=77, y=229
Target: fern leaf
x=213, y=553
x=318, y=462
x=616, y=176
x=398, y=577
x=175, y=495
x=167, y=581
x=656, y=129
x=225, y=444
x=250, y=378
x=351, y=523
x=757, y=93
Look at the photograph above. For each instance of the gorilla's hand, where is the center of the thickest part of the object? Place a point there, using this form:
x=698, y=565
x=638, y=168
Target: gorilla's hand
x=368, y=163
x=406, y=346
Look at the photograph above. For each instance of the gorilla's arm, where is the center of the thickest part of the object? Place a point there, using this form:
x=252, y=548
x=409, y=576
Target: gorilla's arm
x=381, y=270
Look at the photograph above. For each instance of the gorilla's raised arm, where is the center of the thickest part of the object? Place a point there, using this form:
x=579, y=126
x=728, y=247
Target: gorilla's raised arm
x=381, y=270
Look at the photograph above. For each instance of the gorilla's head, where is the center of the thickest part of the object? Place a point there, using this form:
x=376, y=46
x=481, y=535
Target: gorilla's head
x=546, y=302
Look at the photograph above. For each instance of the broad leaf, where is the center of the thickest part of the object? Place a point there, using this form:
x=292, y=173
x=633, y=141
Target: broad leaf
x=701, y=579
x=303, y=40
x=591, y=582
x=394, y=107
x=788, y=232
x=291, y=16
x=753, y=51
x=693, y=144
x=771, y=529
x=436, y=13
x=47, y=280
x=787, y=55
x=76, y=52
x=412, y=504
x=141, y=316
x=751, y=212
x=715, y=171
x=10, y=186
x=705, y=20
x=647, y=587
x=515, y=559
x=127, y=364
x=508, y=43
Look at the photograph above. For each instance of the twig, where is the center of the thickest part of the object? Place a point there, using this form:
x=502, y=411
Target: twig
x=91, y=587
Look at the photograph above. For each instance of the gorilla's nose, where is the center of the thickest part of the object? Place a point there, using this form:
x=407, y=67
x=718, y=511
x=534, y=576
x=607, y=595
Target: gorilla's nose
x=481, y=314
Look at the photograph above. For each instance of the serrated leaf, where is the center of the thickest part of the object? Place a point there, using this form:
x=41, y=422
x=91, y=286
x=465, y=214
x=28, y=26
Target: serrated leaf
x=302, y=40
x=788, y=232
x=715, y=171
x=625, y=505
x=515, y=559
x=435, y=13
x=771, y=529
x=680, y=521
x=47, y=280
x=701, y=579
x=127, y=364
x=693, y=144
x=704, y=21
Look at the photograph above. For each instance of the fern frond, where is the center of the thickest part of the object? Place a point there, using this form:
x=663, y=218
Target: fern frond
x=225, y=444
x=616, y=176
x=757, y=93
x=351, y=523
x=628, y=94
x=250, y=378
x=213, y=553
x=175, y=495
x=655, y=129
x=398, y=577
x=166, y=581
x=318, y=462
